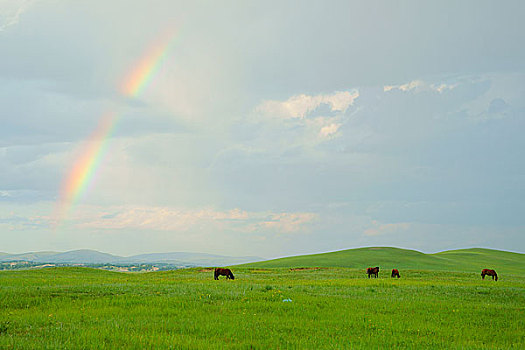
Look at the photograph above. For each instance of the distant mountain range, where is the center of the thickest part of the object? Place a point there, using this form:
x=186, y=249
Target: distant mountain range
x=87, y=256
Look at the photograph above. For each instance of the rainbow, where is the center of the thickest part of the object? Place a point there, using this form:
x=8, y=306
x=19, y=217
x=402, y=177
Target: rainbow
x=85, y=167
x=144, y=71
x=81, y=174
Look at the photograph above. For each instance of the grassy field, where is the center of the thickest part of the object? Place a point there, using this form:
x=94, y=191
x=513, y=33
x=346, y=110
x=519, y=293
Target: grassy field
x=73, y=308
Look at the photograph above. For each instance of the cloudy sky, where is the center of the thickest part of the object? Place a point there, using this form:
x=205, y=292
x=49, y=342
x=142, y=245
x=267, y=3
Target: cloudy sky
x=266, y=128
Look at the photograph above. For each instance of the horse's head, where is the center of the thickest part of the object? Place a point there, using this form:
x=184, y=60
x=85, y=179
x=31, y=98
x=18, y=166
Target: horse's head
x=232, y=276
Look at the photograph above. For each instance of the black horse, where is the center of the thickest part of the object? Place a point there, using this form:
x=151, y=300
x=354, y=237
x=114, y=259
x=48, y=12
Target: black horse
x=373, y=271
x=488, y=272
x=223, y=272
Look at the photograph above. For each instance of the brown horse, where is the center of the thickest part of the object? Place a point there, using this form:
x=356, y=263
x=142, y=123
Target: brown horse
x=223, y=272
x=492, y=273
x=373, y=271
x=395, y=273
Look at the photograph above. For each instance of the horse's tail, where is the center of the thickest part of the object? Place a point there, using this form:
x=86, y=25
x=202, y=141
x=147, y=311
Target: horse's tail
x=215, y=274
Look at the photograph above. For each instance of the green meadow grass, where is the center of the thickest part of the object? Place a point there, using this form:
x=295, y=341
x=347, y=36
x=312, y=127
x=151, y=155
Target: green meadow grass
x=331, y=308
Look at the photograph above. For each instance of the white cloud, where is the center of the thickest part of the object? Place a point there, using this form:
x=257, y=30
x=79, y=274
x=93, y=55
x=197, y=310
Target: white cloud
x=155, y=218
x=301, y=121
x=14, y=222
x=419, y=85
x=443, y=87
x=286, y=222
x=404, y=87
x=299, y=106
x=174, y=219
x=378, y=228
x=11, y=10
x=329, y=130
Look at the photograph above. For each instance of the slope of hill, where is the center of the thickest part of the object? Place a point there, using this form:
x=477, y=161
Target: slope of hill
x=31, y=256
x=481, y=258
x=468, y=260
x=85, y=256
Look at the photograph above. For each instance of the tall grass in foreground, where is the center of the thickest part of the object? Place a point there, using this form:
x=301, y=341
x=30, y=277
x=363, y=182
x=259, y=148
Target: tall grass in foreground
x=70, y=308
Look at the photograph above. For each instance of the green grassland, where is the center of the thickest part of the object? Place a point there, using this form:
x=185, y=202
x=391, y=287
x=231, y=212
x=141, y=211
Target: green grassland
x=331, y=308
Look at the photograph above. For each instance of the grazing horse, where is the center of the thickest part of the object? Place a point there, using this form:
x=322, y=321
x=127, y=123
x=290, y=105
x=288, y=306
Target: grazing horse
x=492, y=273
x=395, y=273
x=373, y=271
x=223, y=272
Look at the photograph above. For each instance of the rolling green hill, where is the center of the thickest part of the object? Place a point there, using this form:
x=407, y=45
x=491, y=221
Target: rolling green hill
x=466, y=260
